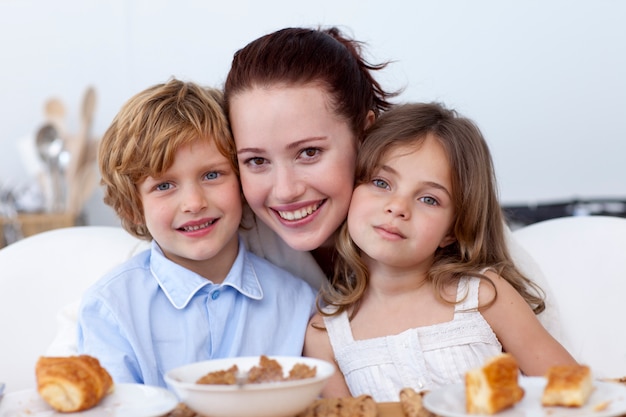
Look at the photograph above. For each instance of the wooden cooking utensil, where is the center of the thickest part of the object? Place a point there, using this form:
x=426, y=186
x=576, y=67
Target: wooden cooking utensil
x=84, y=133
x=55, y=113
x=84, y=186
x=79, y=149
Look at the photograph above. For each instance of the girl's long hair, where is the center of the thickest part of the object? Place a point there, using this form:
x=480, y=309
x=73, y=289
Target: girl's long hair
x=479, y=222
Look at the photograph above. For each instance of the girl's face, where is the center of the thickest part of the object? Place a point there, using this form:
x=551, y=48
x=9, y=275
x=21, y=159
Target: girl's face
x=297, y=160
x=405, y=212
x=193, y=209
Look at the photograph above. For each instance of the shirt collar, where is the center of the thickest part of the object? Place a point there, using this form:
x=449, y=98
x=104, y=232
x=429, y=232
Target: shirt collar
x=180, y=284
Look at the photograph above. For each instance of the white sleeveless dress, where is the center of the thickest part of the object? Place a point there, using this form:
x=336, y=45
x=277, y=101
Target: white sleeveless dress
x=423, y=358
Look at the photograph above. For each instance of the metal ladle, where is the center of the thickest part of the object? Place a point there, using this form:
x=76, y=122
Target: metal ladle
x=50, y=147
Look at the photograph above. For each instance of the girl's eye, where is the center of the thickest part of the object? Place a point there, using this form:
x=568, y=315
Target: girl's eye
x=211, y=175
x=380, y=183
x=164, y=186
x=429, y=200
x=309, y=153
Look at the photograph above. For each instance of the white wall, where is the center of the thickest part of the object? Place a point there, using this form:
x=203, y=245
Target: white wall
x=545, y=80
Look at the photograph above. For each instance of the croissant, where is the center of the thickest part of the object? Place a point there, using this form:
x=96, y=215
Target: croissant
x=72, y=383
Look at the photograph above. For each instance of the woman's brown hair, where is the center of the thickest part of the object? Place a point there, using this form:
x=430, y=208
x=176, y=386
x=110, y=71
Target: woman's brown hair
x=298, y=56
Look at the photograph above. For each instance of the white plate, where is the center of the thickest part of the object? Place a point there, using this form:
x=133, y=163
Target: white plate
x=449, y=401
x=127, y=400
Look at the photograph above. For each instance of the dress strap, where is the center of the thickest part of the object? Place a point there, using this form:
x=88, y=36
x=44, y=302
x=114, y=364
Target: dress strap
x=339, y=331
x=467, y=294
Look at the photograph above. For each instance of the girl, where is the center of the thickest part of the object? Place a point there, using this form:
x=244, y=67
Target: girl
x=425, y=288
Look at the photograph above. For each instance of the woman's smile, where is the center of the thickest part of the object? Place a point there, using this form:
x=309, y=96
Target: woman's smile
x=298, y=214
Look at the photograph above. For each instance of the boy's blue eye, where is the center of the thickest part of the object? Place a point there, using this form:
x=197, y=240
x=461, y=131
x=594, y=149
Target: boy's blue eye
x=164, y=186
x=211, y=175
x=429, y=200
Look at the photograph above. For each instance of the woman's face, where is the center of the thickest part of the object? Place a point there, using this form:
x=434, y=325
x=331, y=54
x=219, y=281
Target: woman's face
x=297, y=159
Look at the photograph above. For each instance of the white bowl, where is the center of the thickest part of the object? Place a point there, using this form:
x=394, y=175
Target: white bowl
x=269, y=399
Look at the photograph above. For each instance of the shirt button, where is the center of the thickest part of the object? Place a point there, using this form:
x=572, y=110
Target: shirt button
x=215, y=295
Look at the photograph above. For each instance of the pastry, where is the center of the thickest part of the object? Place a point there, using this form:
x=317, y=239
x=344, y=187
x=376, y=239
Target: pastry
x=182, y=410
x=411, y=402
x=361, y=406
x=567, y=385
x=494, y=386
x=72, y=383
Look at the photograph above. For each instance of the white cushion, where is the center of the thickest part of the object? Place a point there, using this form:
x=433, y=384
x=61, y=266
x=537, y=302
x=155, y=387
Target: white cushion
x=39, y=276
x=584, y=261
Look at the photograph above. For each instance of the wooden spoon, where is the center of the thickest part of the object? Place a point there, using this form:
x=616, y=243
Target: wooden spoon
x=84, y=134
x=55, y=113
x=80, y=144
x=84, y=186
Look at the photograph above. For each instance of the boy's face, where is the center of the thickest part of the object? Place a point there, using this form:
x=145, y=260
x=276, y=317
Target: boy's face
x=193, y=210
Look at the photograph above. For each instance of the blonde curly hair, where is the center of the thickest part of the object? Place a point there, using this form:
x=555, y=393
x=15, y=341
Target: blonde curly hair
x=143, y=139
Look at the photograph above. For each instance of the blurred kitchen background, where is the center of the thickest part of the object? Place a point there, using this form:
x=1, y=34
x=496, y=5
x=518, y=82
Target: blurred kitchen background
x=544, y=80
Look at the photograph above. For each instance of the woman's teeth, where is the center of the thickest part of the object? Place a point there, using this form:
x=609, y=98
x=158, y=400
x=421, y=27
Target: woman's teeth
x=298, y=214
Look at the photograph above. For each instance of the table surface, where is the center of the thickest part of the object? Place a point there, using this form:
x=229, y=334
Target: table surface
x=390, y=410
x=384, y=410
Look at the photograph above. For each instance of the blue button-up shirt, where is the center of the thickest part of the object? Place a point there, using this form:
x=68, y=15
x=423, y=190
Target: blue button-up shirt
x=150, y=315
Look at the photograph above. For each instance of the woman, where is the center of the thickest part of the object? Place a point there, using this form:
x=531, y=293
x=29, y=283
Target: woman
x=299, y=101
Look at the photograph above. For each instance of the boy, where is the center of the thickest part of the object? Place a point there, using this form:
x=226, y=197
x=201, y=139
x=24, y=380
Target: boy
x=197, y=294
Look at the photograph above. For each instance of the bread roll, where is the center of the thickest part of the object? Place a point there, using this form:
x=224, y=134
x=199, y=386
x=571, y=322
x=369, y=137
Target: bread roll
x=493, y=387
x=567, y=385
x=72, y=383
x=361, y=406
x=411, y=403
